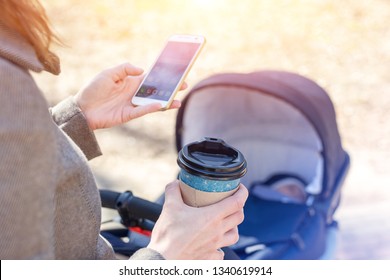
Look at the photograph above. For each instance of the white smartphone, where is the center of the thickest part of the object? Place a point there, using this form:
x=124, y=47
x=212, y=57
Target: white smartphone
x=167, y=74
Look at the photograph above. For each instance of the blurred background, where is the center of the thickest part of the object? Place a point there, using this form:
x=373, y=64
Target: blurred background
x=342, y=45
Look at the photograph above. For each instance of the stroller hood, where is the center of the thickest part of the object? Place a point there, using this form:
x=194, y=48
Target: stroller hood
x=304, y=95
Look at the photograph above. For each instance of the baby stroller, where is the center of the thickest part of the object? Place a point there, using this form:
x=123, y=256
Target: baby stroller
x=285, y=126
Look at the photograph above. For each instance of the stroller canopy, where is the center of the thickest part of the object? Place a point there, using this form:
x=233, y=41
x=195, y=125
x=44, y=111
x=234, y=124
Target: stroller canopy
x=304, y=115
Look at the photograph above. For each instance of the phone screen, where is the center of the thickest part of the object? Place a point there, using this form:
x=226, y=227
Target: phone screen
x=169, y=68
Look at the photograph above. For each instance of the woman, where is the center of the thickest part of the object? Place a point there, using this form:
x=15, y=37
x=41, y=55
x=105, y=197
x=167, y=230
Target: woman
x=49, y=202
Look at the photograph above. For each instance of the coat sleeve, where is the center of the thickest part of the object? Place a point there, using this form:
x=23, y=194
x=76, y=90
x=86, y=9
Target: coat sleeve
x=69, y=117
x=147, y=254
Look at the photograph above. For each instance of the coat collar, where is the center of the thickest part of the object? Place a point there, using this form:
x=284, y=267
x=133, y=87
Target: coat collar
x=15, y=48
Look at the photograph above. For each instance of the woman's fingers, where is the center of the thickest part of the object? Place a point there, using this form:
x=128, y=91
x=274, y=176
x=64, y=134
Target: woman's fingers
x=233, y=220
x=232, y=203
x=130, y=113
x=231, y=237
x=184, y=86
x=175, y=104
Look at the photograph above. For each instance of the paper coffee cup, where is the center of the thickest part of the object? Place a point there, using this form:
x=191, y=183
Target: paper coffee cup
x=210, y=171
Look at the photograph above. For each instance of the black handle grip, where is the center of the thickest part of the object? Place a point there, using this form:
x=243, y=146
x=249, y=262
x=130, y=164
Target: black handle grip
x=138, y=207
x=130, y=206
x=109, y=198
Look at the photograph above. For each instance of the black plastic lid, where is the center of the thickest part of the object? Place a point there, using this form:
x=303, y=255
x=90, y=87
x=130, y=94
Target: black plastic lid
x=212, y=158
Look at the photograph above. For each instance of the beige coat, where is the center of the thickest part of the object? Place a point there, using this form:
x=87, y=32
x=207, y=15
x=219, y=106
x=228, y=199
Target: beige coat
x=49, y=202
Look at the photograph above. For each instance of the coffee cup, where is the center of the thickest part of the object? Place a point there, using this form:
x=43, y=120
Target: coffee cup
x=210, y=170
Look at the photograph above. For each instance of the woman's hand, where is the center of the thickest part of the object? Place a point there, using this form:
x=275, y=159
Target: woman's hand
x=106, y=100
x=184, y=232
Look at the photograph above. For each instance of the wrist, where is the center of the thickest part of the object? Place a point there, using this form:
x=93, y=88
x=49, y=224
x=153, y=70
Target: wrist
x=76, y=100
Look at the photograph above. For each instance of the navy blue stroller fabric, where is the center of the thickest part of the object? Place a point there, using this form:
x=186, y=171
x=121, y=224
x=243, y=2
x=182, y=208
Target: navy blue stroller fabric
x=284, y=123
x=298, y=233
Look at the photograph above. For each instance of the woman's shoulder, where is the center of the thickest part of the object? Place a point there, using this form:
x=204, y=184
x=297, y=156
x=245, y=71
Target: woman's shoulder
x=19, y=93
x=11, y=73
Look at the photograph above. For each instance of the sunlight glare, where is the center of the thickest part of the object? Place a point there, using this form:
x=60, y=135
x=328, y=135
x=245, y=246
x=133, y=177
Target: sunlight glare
x=209, y=4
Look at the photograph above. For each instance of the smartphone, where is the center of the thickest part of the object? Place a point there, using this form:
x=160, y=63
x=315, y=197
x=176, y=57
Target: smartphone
x=168, y=72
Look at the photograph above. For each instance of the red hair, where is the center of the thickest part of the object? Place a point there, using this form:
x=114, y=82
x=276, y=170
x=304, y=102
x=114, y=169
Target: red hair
x=29, y=19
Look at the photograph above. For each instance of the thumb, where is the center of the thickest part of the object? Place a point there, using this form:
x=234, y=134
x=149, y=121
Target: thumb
x=132, y=70
x=123, y=70
x=172, y=192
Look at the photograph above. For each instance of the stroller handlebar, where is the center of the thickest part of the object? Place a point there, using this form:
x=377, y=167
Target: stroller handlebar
x=130, y=207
